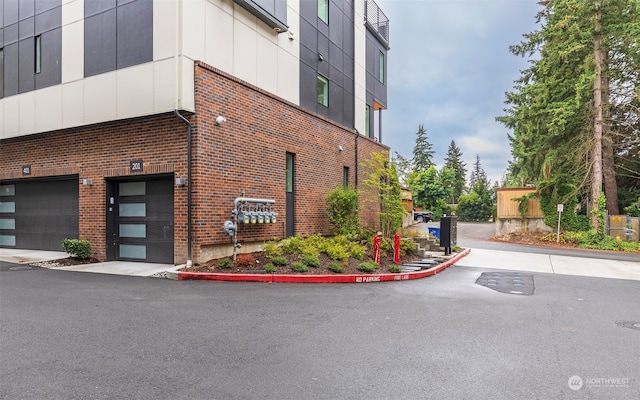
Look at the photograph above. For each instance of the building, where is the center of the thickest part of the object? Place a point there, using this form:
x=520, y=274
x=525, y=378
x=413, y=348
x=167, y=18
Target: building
x=136, y=124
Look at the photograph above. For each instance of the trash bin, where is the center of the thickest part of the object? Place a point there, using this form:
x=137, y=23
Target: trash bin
x=434, y=231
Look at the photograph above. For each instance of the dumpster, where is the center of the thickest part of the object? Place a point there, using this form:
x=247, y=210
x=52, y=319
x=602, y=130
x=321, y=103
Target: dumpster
x=434, y=231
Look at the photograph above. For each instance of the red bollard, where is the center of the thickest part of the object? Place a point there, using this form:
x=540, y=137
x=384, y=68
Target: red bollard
x=376, y=248
x=396, y=254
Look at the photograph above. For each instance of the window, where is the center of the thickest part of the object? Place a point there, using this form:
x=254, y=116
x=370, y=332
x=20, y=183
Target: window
x=345, y=177
x=367, y=122
x=323, y=91
x=323, y=11
x=1, y=73
x=381, y=73
x=38, y=54
x=289, y=178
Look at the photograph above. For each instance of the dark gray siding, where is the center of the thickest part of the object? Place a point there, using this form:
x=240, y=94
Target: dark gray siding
x=21, y=21
x=376, y=90
x=117, y=34
x=328, y=50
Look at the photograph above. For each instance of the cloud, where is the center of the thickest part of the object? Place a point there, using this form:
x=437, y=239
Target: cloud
x=449, y=69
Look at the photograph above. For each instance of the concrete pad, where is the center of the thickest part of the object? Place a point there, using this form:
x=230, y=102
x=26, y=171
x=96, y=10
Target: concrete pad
x=508, y=260
x=595, y=267
x=120, y=268
x=23, y=256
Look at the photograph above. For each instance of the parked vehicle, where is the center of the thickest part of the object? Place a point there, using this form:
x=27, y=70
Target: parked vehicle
x=422, y=216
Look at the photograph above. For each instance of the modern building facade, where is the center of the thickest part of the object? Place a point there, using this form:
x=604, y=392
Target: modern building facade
x=135, y=124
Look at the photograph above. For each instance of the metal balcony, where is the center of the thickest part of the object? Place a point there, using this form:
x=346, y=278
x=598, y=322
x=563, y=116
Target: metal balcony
x=376, y=21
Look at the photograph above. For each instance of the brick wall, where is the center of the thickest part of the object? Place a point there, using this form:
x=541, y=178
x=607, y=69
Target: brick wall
x=99, y=152
x=246, y=154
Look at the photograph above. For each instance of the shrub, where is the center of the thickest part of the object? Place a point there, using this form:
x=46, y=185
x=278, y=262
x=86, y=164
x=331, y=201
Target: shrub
x=395, y=269
x=279, y=260
x=310, y=260
x=335, y=267
x=299, y=266
x=357, y=250
x=342, y=210
x=293, y=245
x=407, y=246
x=336, y=252
x=368, y=266
x=272, y=248
x=78, y=248
x=225, y=263
x=245, y=260
x=270, y=268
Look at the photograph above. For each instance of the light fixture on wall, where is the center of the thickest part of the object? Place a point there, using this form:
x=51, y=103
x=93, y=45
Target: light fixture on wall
x=180, y=182
x=220, y=120
x=340, y=148
x=320, y=57
x=87, y=181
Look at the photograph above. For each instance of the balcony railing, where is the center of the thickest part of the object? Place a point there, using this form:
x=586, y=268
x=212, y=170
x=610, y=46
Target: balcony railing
x=376, y=20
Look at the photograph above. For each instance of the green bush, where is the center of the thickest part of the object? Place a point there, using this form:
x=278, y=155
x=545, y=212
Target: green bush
x=279, y=260
x=342, y=210
x=272, y=248
x=336, y=251
x=270, y=268
x=395, y=269
x=78, y=248
x=357, y=250
x=368, y=266
x=335, y=267
x=299, y=266
x=225, y=263
x=310, y=260
x=293, y=245
x=407, y=246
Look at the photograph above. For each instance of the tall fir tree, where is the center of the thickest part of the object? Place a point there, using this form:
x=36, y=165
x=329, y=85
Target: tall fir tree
x=422, y=151
x=454, y=161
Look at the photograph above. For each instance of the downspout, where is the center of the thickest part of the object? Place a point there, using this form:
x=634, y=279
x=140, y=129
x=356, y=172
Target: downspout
x=186, y=121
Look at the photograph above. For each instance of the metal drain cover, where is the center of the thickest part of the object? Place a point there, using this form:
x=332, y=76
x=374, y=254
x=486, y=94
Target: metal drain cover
x=20, y=268
x=629, y=324
x=508, y=282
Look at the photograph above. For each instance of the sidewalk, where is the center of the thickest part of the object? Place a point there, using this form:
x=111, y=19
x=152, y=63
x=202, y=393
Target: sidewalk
x=22, y=256
x=579, y=266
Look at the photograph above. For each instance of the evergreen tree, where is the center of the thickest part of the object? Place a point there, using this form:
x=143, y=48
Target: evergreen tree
x=453, y=160
x=422, y=151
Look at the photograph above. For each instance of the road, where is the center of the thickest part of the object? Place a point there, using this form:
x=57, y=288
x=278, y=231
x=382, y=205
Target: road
x=70, y=335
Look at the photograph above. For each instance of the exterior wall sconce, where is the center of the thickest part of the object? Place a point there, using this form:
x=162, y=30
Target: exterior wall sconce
x=340, y=148
x=220, y=120
x=88, y=182
x=180, y=182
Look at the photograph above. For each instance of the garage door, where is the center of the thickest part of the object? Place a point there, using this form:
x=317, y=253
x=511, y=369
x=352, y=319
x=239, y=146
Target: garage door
x=38, y=214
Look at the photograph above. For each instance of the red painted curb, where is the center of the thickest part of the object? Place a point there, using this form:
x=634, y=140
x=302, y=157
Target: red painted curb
x=272, y=278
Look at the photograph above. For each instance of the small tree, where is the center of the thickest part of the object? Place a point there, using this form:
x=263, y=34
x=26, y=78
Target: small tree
x=342, y=209
x=383, y=179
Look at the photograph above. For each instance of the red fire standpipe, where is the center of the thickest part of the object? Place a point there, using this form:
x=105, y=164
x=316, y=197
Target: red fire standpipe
x=376, y=249
x=396, y=253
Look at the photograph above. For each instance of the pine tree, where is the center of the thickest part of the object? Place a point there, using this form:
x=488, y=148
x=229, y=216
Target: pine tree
x=454, y=161
x=422, y=151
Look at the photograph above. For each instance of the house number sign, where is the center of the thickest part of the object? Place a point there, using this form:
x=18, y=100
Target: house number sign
x=135, y=166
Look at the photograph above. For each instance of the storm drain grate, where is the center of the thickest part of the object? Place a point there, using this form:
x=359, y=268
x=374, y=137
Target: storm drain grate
x=20, y=268
x=508, y=282
x=629, y=324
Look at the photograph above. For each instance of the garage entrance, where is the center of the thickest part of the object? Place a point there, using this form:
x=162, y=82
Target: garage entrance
x=39, y=214
x=140, y=219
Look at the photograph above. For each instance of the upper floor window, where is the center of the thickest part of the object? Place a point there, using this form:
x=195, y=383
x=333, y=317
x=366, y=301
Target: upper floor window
x=381, y=62
x=367, y=122
x=323, y=91
x=345, y=177
x=323, y=10
x=38, y=54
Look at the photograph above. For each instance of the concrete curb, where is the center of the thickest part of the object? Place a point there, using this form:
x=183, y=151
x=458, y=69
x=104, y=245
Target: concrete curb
x=278, y=278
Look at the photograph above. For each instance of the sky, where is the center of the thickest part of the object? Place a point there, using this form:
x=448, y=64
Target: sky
x=448, y=69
